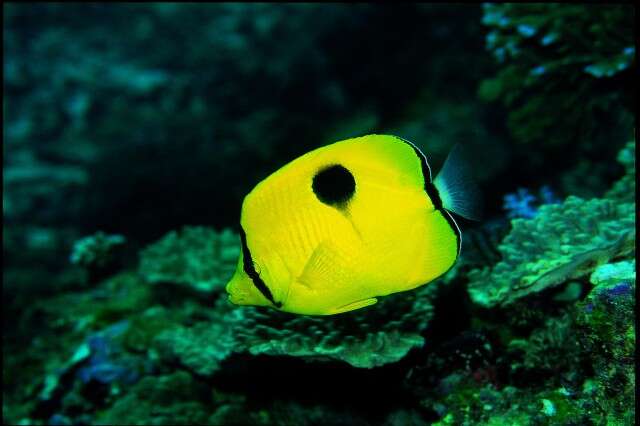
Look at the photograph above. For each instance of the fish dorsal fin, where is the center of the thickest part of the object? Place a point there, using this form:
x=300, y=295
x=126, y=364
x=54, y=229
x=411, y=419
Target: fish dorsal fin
x=456, y=187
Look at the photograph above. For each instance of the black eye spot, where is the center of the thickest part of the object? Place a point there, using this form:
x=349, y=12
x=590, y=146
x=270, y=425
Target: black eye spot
x=334, y=185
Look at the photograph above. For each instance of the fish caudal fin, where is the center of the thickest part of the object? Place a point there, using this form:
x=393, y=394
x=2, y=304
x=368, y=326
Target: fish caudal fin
x=457, y=190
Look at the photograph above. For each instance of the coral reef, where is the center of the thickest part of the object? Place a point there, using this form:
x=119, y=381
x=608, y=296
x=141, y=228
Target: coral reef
x=561, y=242
x=546, y=61
x=145, y=118
x=624, y=189
x=95, y=251
x=564, y=241
x=195, y=256
x=606, y=327
x=205, y=259
x=97, y=254
x=365, y=339
x=160, y=400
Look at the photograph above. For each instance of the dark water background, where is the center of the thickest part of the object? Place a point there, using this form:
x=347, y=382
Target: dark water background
x=139, y=119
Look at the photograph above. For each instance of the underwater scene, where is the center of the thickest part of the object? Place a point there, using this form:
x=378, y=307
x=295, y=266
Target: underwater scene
x=319, y=214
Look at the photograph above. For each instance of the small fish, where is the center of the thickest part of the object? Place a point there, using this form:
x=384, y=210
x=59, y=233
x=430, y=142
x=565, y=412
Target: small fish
x=348, y=222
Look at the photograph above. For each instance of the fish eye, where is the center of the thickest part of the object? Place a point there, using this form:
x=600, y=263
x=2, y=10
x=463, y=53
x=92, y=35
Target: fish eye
x=334, y=185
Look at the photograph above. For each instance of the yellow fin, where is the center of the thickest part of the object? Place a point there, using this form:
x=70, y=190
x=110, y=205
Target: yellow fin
x=325, y=268
x=354, y=305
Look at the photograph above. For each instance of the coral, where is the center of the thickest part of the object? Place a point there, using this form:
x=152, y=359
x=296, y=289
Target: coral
x=195, y=256
x=563, y=56
x=550, y=349
x=523, y=203
x=145, y=326
x=108, y=363
x=466, y=403
x=163, y=400
x=606, y=330
x=625, y=188
x=200, y=348
x=368, y=338
x=520, y=204
x=205, y=259
x=617, y=273
x=564, y=241
x=373, y=337
x=356, y=340
x=95, y=251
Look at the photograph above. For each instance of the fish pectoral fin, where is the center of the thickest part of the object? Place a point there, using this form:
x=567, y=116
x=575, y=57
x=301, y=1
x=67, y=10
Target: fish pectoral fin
x=326, y=267
x=355, y=305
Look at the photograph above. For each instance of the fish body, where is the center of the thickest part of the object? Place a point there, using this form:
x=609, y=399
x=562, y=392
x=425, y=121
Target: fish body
x=342, y=225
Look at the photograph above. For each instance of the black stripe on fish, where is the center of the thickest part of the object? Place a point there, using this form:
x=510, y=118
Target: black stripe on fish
x=433, y=193
x=250, y=270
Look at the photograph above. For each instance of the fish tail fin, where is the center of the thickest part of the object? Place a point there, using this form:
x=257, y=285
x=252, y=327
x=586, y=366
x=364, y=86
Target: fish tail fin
x=458, y=191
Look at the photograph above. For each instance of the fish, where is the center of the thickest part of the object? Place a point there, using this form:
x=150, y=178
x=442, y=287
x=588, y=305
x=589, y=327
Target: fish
x=347, y=223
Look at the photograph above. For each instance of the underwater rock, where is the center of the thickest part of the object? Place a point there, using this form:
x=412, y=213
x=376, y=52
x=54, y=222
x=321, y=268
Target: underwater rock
x=195, y=256
x=564, y=241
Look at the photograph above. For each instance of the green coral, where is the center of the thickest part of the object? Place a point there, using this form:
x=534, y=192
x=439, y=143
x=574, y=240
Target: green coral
x=95, y=251
x=606, y=328
x=614, y=273
x=205, y=259
x=625, y=188
x=164, y=400
x=564, y=241
x=550, y=348
x=200, y=348
x=467, y=403
x=577, y=58
x=365, y=338
x=195, y=256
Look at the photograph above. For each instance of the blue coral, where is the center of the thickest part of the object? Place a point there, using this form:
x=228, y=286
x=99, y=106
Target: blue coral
x=524, y=204
x=107, y=364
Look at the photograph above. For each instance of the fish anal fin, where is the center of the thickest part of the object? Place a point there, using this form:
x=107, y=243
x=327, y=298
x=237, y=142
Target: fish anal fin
x=355, y=305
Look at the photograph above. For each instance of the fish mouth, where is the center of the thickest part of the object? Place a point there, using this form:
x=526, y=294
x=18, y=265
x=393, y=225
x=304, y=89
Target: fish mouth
x=234, y=293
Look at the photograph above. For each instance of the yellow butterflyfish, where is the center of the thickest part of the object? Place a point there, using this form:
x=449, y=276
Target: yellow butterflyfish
x=346, y=223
